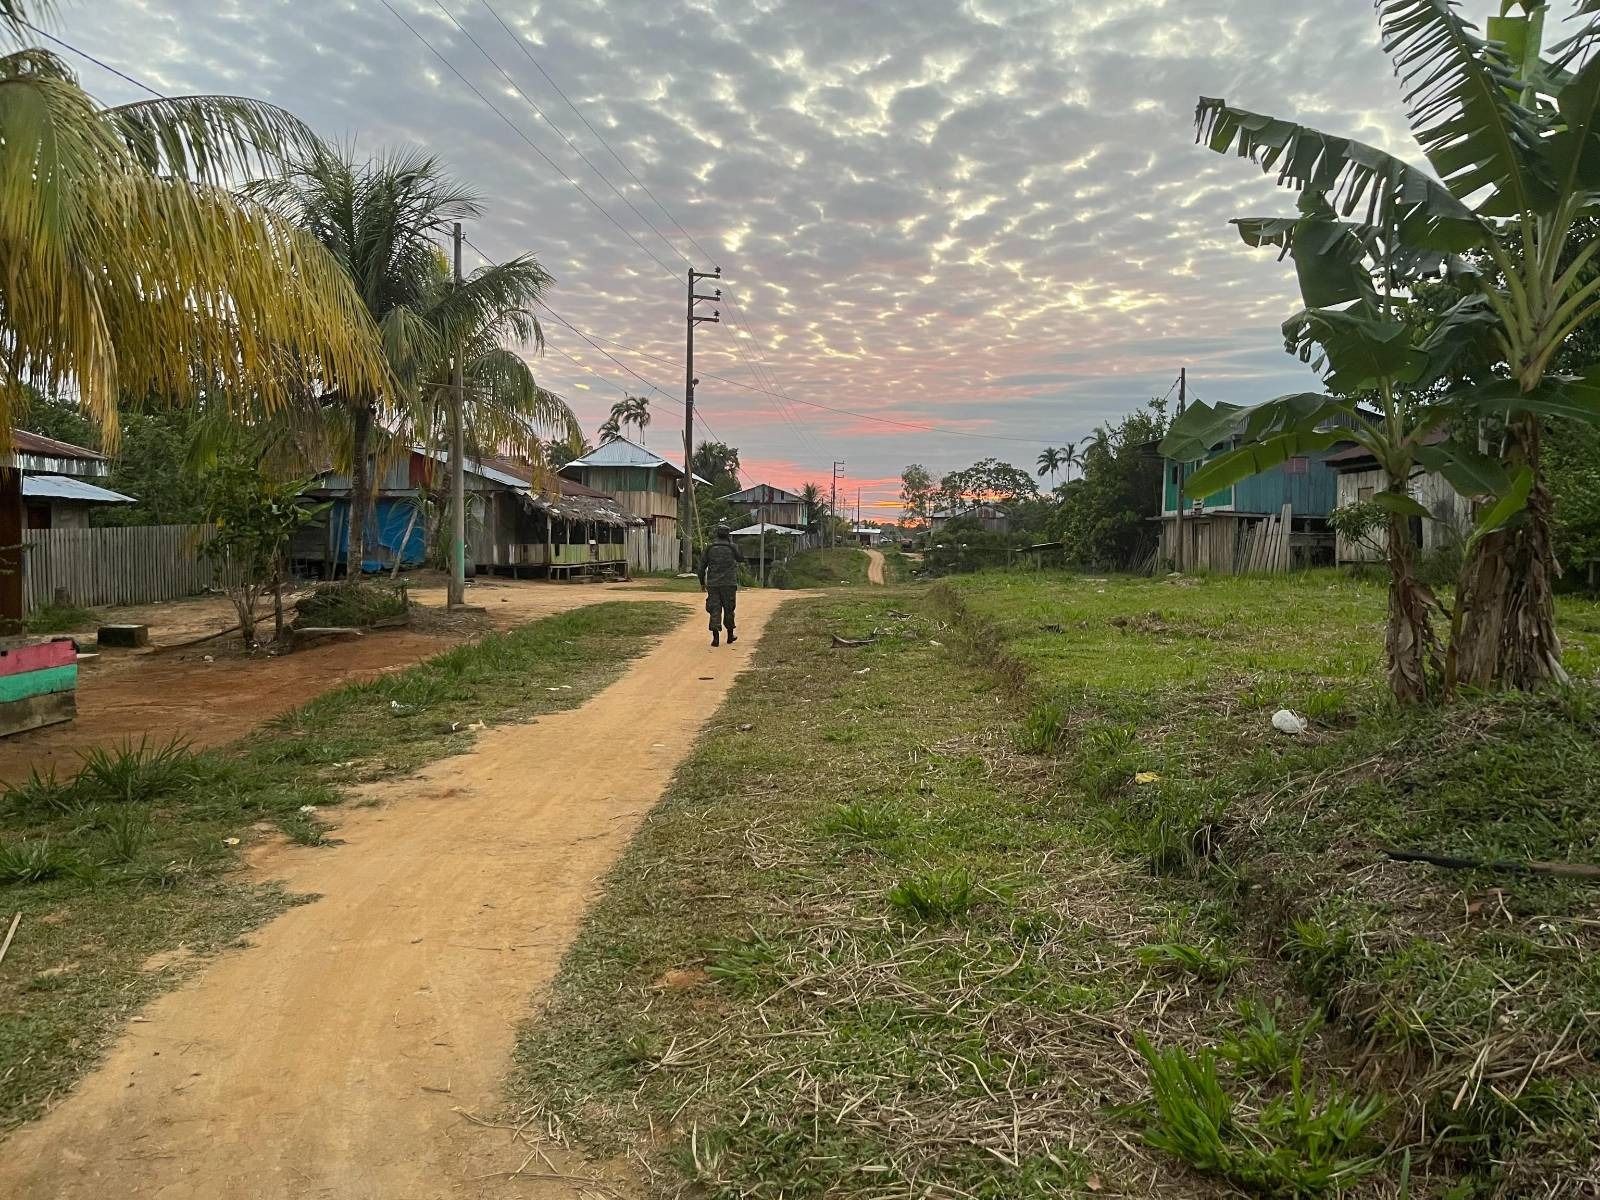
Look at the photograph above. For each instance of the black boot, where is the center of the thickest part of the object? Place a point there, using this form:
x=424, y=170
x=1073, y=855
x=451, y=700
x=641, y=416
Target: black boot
x=716, y=637
x=731, y=637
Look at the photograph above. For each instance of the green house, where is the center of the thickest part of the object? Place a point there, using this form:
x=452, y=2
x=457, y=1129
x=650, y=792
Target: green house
x=1218, y=532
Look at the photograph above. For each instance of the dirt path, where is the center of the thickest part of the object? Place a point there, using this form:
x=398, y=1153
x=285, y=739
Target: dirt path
x=875, y=567
x=333, y=1057
x=210, y=693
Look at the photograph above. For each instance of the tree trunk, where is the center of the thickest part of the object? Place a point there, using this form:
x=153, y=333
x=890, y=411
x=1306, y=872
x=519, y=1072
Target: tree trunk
x=1507, y=595
x=277, y=607
x=1409, y=642
x=360, y=491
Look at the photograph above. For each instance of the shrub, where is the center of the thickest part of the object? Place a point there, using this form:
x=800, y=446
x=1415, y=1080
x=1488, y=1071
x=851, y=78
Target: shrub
x=59, y=618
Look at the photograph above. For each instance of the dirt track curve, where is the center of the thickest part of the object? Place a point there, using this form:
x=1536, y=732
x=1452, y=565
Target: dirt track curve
x=333, y=1057
x=875, y=567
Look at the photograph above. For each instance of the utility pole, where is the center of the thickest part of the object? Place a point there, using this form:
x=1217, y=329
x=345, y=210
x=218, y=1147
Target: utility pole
x=833, y=508
x=1183, y=395
x=686, y=502
x=457, y=594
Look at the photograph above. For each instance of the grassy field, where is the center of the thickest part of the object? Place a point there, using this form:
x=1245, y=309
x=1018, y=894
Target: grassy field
x=116, y=867
x=1028, y=898
x=840, y=567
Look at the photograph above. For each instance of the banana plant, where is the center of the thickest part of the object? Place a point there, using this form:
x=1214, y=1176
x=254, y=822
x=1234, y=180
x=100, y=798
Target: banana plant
x=1513, y=139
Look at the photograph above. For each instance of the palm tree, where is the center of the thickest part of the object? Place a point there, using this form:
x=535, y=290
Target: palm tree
x=1510, y=137
x=381, y=220
x=1050, y=462
x=503, y=407
x=816, y=505
x=132, y=269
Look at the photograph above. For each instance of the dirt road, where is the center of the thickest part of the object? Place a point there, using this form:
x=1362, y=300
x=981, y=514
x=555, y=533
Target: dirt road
x=210, y=693
x=331, y=1058
x=875, y=567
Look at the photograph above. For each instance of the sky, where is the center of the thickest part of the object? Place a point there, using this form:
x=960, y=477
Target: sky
x=981, y=225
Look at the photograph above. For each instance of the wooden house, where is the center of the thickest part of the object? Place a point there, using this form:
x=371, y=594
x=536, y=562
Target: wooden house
x=774, y=505
x=62, y=502
x=991, y=518
x=520, y=520
x=32, y=456
x=1360, y=478
x=1220, y=532
x=643, y=484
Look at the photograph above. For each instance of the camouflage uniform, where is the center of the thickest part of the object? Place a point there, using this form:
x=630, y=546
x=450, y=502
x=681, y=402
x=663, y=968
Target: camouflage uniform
x=719, y=572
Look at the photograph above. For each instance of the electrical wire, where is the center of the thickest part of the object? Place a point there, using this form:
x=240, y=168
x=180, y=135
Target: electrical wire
x=531, y=144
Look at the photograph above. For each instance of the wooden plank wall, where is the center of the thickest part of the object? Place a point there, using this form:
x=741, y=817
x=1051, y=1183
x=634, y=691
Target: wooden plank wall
x=139, y=564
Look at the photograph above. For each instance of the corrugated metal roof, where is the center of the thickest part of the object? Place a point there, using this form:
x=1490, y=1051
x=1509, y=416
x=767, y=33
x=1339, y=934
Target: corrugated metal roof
x=764, y=493
x=620, y=452
x=64, y=487
x=756, y=530
x=36, y=454
x=34, y=443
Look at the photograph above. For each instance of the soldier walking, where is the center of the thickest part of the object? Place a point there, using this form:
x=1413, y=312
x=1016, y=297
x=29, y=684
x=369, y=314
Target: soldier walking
x=719, y=575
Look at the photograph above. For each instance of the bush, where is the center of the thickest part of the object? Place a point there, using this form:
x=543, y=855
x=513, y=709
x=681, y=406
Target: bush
x=352, y=603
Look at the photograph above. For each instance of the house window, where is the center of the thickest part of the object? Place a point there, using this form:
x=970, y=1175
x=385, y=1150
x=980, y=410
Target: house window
x=1177, y=474
x=1364, y=494
x=1299, y=465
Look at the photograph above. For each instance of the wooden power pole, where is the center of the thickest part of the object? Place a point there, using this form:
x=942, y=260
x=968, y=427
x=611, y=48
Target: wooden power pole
x=457, y=593
x=686, y=501
x=1183, y=389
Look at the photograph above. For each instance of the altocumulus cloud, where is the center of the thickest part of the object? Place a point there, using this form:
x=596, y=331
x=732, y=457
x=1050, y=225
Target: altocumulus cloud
x=986, y=213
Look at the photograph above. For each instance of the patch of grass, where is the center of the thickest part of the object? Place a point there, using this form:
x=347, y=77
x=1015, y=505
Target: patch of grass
x=863, y=1048
x=126, y=773
x=59, y=618
x=842, y=566
x=1207, y=962
x=1300, y=1144
x=934, y=896
x=1043, y=728
x=33, y=861
x=128, y=857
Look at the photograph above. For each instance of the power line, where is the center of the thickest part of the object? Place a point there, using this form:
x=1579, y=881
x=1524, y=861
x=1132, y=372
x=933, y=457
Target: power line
x=521, y=44
x=84, y=54
x=531, y=144
x=576, y=149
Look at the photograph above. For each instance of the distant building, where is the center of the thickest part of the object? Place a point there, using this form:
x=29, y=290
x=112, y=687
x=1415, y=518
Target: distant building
x=644, y=484
x=868, y=535
x=33, y=456
x=991, y=518
x=62, y=502
x=772, y=504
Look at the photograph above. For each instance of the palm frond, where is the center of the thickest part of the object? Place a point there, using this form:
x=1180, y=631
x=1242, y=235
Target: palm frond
x=1353, y=175
x=1461, y=97
x=209, y=138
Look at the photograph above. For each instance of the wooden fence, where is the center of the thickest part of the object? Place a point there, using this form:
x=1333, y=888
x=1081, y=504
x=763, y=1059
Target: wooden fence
x=139, y=564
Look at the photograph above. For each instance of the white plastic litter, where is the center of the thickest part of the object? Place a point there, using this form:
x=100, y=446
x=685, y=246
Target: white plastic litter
x=1285, y=721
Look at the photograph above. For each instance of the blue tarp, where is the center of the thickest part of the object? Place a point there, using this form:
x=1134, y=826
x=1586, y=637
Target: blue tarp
x=385, y=529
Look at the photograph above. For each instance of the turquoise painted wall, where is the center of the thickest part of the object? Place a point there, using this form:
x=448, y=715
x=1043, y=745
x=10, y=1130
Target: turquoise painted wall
x=1311, y=493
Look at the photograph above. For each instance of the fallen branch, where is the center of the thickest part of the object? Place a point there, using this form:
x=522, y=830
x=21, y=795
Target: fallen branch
x=844, y=643
x=1566, y=869
x=10, y=933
